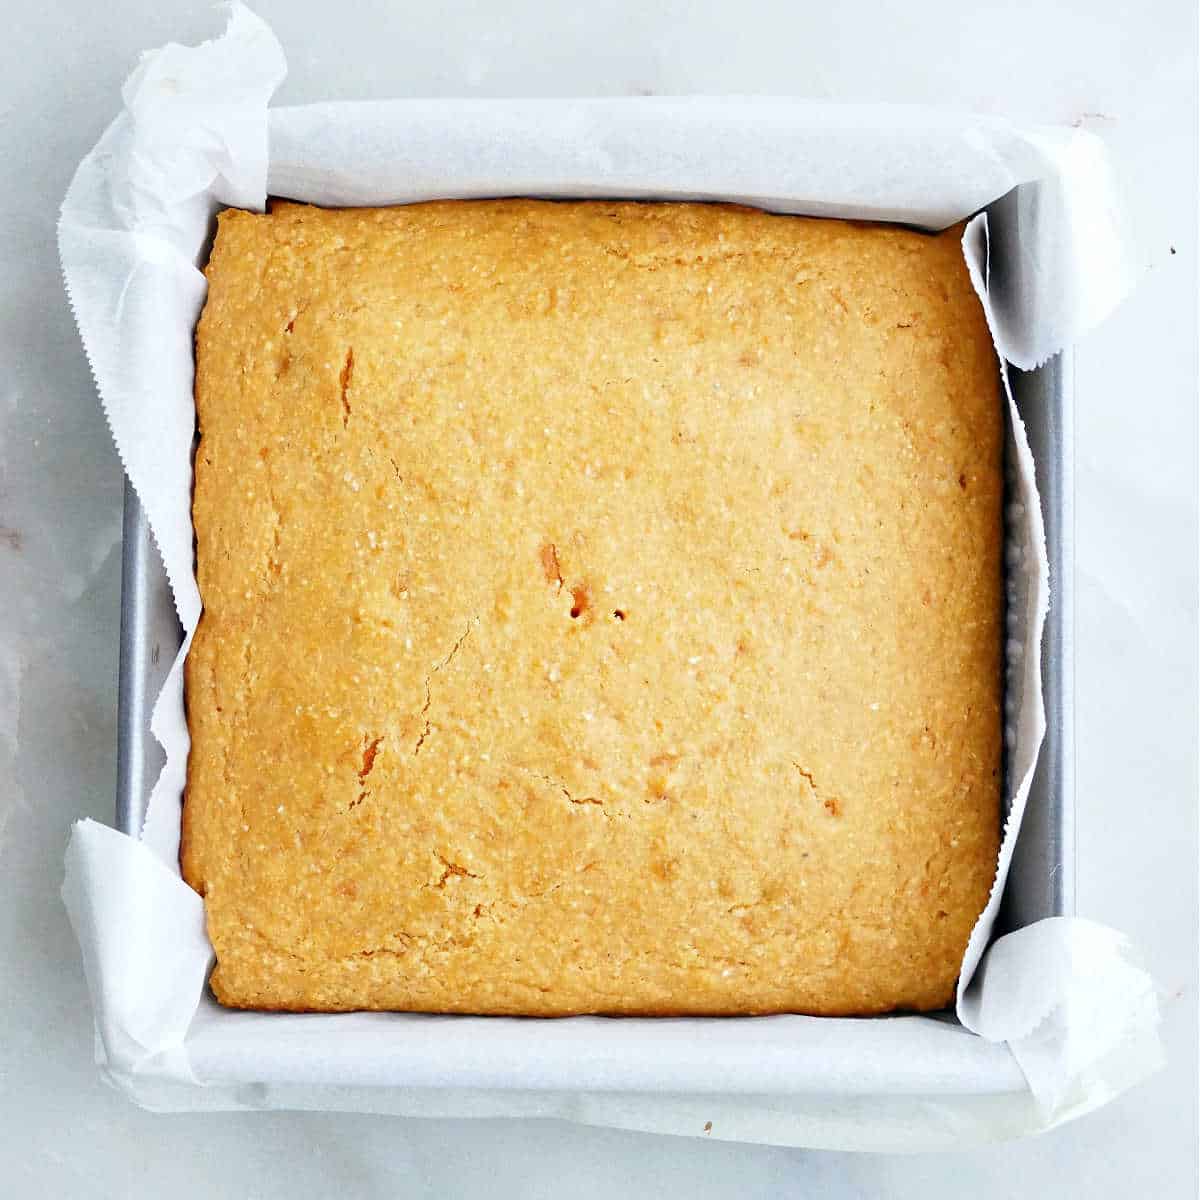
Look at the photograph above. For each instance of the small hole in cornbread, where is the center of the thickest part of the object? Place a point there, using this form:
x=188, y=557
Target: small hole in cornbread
x=582, y=601
x=619, y=613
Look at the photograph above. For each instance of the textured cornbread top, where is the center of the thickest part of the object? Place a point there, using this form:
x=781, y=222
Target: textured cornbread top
x=602, y=611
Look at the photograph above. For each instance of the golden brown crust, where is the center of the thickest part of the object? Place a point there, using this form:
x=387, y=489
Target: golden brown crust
x=602, y=611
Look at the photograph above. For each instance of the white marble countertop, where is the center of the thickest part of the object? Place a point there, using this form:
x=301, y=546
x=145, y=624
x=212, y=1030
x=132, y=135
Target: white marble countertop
x=1128, y=74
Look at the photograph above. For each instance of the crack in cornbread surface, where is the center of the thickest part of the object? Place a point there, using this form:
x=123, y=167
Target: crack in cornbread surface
x=601, y=611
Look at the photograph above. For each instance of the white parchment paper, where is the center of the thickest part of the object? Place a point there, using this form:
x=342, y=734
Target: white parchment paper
x=1054, y=1019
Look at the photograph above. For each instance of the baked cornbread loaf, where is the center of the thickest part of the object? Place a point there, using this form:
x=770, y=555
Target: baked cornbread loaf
x=602, y=611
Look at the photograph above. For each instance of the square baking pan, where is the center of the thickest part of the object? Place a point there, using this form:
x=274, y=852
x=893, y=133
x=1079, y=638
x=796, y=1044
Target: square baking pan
x=1041, y=881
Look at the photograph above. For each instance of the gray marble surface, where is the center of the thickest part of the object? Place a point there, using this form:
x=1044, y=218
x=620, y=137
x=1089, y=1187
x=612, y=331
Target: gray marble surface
x=1129, y=74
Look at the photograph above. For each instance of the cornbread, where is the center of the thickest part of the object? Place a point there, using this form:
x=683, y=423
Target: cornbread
x=602, y=611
